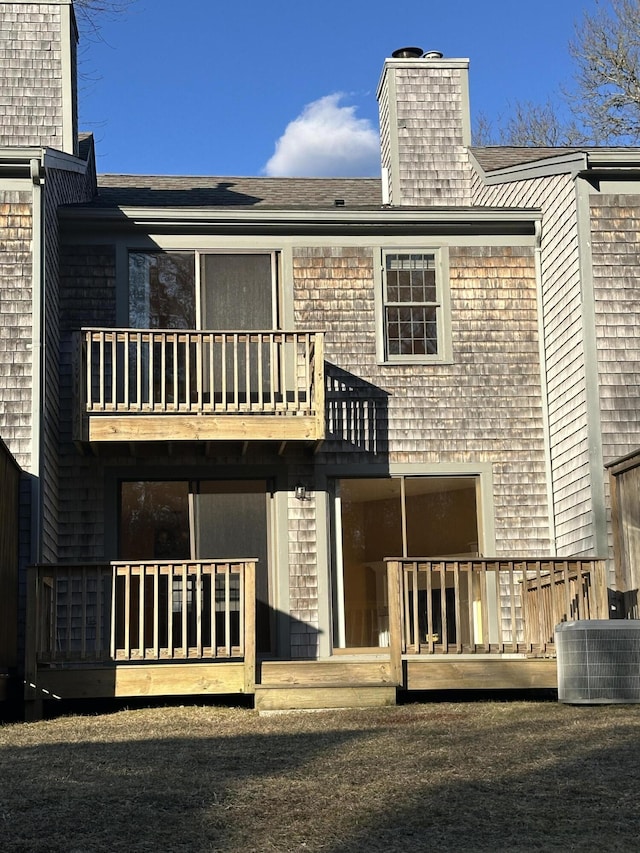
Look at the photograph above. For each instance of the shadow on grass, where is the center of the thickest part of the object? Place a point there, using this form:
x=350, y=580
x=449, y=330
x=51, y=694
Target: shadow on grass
x=445, y=777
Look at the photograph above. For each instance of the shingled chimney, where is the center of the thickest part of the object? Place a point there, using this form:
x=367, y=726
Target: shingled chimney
x=38, y=86
x=425, y=129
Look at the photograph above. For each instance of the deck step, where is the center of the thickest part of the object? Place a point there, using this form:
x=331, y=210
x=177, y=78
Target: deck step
x=317, y=697
x=325, y=673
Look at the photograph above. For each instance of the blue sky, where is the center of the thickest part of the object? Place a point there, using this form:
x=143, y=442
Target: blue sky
x=208, y=87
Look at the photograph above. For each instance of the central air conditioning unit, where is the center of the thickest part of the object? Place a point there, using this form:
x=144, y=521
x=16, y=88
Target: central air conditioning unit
x=598, y=661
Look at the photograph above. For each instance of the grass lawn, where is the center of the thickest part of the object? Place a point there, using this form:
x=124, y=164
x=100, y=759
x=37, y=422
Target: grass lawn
x=444, y=777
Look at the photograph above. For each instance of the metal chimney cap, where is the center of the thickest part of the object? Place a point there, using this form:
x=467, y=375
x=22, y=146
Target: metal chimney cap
x=407, y=53
x=433, y=54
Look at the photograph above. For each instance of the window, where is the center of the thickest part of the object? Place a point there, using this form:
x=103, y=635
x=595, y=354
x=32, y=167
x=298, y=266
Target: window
x=415, y=311
x=208, y=290
x=162, y=290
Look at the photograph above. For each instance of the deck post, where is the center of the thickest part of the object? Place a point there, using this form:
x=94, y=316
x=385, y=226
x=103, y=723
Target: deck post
x=32, y=697
x=394, y=591
x=319, y=388
x=249, y=638
x=601, y=590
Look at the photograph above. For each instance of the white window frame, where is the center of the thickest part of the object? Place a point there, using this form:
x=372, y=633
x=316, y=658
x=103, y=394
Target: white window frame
x=441, y=304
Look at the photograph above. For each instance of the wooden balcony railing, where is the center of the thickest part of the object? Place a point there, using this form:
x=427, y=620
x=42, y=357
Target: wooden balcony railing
x=143, y=611
x=490, y=606
x=185, y=373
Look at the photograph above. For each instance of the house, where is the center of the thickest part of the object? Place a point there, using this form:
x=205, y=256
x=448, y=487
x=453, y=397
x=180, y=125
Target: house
x=309, y=439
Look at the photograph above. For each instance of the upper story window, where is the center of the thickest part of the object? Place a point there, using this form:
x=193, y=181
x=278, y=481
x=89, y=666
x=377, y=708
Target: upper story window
x=415, y=307
x=206, y=290
x=162, y=290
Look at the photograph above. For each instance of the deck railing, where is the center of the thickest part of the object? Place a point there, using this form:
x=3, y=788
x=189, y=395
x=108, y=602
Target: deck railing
x=142, y=611
x=491, y=606
x=145, y=371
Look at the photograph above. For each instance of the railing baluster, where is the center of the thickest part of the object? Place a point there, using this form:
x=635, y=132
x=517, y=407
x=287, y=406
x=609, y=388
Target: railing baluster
x=188, y=392
x=88, y=354
x=567, y=591
x=307, y=373
x=127, y=613
x=236, y=372
x=126, y=344
x=148, y=339
x=185, y=613
x=241, y=597
x=247, y=371
x=430, y=626
x=272, y=371
x=198, y=341
x=102, y=369
x=415, y=616
x=260, y=369
x=212, y=384
x=285, y=372
x=138, y=393
x=162, y=340
x=114, y=372
x=198, y=590
x=223, y=372
x=142, y=578
x=214, y=635
x=170, y=575
x=512, y=606
x=156, y=611
x=456, y=606
x=227, y=610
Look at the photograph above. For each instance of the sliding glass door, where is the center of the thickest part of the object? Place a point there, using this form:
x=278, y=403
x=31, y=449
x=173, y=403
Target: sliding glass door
x=201, y=520
x=392, y=517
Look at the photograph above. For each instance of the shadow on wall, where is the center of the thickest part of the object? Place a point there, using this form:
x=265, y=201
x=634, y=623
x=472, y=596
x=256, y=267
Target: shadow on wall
x=357, y=414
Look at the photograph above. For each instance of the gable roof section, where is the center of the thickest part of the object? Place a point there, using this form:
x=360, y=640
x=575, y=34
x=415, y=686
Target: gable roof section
x=494, y=159
x=237, y=192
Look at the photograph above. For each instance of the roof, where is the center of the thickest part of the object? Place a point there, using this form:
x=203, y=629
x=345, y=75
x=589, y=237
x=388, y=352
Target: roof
x=494, y=157
x=237, y=192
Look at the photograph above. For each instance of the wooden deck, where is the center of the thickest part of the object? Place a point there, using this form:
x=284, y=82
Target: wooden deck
x=188, y=628
x=159, y=385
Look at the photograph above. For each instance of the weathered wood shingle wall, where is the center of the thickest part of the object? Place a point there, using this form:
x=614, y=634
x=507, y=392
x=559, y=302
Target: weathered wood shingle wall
x=32, y=108
x=15, y=324
x=60, y=188
x=484, y=407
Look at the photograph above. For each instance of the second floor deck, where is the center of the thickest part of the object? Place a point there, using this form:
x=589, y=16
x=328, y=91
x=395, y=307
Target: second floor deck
x=161, y=384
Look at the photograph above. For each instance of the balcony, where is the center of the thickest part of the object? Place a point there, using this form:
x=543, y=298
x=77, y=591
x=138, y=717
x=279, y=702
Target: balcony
x=158, y=385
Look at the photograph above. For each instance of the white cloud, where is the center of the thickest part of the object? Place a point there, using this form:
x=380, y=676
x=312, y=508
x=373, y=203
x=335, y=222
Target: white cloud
x=326, y=140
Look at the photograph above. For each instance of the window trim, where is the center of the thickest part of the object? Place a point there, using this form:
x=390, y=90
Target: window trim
x=443, y=307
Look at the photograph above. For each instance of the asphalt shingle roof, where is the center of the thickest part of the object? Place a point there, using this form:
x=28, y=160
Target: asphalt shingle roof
x=492, y=157
x=276, y=193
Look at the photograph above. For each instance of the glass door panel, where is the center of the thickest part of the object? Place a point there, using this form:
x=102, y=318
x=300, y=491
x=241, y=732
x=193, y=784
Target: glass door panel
x=238, y=293
x=371, y=530
x=231, y=522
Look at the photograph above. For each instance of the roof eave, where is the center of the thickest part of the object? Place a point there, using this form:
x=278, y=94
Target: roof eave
x=572, y=164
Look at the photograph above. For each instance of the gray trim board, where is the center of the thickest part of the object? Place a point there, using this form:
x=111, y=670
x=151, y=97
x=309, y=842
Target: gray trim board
x=594, y=425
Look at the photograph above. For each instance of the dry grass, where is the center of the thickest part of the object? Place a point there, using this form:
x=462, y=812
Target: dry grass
x=478, y=776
